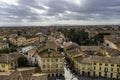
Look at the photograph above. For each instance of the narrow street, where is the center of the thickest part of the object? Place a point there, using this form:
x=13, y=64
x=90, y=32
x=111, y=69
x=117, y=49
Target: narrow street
x=69, y=75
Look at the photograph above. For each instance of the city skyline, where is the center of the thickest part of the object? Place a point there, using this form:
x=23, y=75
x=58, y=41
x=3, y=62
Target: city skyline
x=51, y=12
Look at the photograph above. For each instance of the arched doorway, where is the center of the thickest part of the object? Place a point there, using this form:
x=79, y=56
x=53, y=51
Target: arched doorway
x=83, y=73
x=111, y=75
x=52, y=75
x=48, y=75
x=88, y=73
x=60, y=75
x=56, y=75
x=94, y=74
x=105, y=74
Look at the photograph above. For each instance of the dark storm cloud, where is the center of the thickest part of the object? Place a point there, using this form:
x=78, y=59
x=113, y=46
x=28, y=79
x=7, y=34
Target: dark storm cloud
x=40, y=10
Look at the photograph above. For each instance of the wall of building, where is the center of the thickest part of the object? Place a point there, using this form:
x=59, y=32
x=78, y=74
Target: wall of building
x=53, y=66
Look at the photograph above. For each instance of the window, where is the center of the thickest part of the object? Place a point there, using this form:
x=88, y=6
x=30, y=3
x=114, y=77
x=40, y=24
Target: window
x=105, y=69
x=94, y=68
x=52, y=65
x=48, y=66
x=3, y=65
x=56, y=60
x=100, y=64
x=47, y=60
x=100, y=68
x=83, y=68
x=56, y=65
x=118, y=69
x=112, y=64
x=111, y=69
x=12, y=64
x=106, y=64
x=94, y=63
x=43, y=66
x=118, y=65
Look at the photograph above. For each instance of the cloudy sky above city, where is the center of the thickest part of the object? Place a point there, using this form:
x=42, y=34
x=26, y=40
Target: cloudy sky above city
x=51, y=12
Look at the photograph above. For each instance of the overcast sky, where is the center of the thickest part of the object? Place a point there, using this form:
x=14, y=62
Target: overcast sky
x=48, y=12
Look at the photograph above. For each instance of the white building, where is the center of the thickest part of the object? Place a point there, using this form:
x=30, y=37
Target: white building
x=25, y=49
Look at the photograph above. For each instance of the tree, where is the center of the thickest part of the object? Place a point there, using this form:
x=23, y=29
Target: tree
x=6, y=50
x=23, y=62
x=79, y=36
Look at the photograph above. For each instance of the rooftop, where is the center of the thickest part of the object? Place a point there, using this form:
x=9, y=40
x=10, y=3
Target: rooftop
x=25, y=68
x=113, y=38
x=50, y=53
x=39, y=74
x=90, y=48
x=74, y=52
x=5, y=73
x=7, y=58
x=71, y=45
x=98, y=59
x=31, y=52
x=112, y=52
x=1, y=44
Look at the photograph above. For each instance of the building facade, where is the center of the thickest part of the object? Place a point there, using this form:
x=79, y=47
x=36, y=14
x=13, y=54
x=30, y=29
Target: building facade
x=92, y=65
x=52, y=62
x=97, y=66
x=8, y=62
x=4, y=45
x=23, y=41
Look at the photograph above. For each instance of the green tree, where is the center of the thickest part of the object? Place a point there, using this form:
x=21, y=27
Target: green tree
x=80, y=36
x=6, y=50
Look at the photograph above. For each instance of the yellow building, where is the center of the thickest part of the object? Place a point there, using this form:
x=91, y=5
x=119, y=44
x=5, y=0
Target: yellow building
x=93, y=65
x=72, y=50
x=3, y=35
x=8, y=62
x=24, y=40
x=98, y=66
x=52, y=62
x=4, y=45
